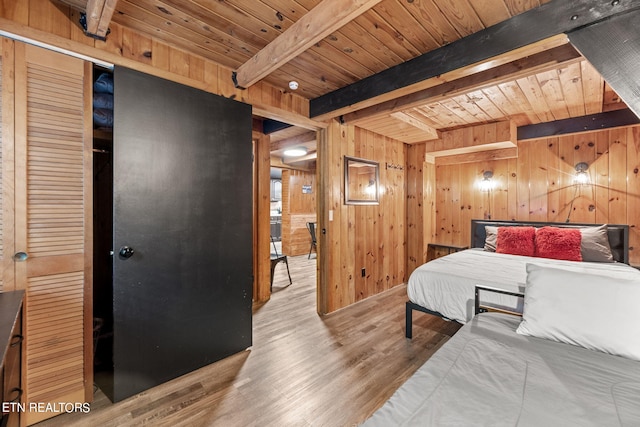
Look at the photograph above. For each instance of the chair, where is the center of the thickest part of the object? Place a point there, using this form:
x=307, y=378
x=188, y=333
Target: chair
x=275, y=259
x=311, y=226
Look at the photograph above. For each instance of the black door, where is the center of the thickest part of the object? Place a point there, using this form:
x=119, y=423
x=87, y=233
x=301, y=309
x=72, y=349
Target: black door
x=182, y=267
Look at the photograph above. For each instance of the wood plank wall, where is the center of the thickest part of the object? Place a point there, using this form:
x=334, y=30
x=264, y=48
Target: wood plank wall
x=298, y=208
x=261, y=193
x=538, y=186
x=56, y=24
x=420, y=187
x=360, y=237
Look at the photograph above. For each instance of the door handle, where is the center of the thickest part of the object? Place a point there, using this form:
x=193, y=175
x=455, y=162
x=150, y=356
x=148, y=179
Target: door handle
x=21, y=256
x=126, y=252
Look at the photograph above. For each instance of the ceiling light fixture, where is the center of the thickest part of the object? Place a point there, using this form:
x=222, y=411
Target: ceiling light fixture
x=293, y=85
x=295, y=152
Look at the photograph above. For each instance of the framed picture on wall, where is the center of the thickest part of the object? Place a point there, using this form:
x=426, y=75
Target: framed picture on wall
x=361, y=181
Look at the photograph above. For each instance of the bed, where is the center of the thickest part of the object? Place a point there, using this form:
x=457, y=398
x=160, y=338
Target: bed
x=486, y=374
x=445, y=286
x=572, y=359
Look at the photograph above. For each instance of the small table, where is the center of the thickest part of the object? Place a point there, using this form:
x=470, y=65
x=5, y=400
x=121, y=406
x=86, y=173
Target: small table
x=437, y=250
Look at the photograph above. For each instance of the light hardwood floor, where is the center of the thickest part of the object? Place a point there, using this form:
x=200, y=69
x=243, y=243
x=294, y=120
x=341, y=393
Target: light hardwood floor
x=303, y=369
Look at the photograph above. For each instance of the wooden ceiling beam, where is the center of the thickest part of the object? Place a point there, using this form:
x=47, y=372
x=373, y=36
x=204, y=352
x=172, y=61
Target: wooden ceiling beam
x=282, y=115
x=99, y=14
x=480, y=156
x=590, y=123
x=324, y=19
x=80, y=5
x=480, y=69
x=431, y=133
x=301, y=139
x=276, y=162
x=270, y=126
x=550, y=19
x=543, y=61
x=487, y=137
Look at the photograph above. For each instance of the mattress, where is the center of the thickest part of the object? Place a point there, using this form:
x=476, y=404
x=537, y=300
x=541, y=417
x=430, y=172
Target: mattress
x=447, y=284
x=486, y=374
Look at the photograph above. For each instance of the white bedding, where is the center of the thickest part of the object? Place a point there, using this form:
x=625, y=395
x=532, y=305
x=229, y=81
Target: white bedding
x=447, y=284
x=488, y=375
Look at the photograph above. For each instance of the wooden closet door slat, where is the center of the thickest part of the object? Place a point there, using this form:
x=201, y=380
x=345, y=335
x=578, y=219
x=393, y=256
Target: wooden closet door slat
x=53, y=213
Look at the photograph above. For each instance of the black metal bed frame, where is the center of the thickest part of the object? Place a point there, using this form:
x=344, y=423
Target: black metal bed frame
x=481, y=308
x=410, y=306
x=618, y=238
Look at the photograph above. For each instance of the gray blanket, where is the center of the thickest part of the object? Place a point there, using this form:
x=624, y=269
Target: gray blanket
x=488, y=375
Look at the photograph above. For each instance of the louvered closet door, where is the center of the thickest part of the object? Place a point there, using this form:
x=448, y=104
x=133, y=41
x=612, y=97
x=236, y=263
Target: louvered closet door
x=53, y=224
x=6, y=165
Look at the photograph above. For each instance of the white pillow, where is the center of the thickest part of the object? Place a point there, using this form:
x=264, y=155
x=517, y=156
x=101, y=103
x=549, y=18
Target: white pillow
x=587, y=310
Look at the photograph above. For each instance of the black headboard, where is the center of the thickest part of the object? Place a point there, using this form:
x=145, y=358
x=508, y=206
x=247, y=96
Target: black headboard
x=618, y=234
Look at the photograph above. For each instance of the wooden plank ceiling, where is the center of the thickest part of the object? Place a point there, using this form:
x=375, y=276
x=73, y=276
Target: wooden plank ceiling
x=233, y=31
x=549, y=82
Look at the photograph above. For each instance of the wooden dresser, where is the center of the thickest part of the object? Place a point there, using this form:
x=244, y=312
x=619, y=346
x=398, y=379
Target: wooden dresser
x=11, y=345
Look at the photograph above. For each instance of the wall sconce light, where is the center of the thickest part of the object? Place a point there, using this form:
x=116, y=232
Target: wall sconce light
x=581, y=177
x=486, y=184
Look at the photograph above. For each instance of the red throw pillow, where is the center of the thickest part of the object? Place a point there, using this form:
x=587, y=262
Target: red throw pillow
x=559, y=243
x=516, y=240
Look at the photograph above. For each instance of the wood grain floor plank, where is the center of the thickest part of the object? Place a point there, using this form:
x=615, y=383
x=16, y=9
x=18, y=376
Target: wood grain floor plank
x=302, y=370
